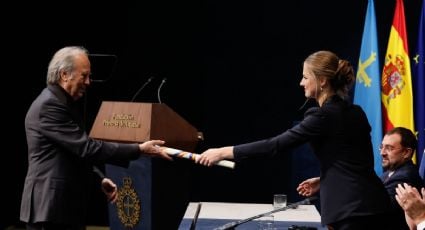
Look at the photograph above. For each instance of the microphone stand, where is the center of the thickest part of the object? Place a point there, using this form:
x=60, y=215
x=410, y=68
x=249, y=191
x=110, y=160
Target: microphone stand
x=234, y=224
x=141, y=88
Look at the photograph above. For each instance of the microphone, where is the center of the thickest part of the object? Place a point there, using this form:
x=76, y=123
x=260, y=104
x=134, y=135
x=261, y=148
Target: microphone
x=233, y=224
x=159, y=89
x=142, y=87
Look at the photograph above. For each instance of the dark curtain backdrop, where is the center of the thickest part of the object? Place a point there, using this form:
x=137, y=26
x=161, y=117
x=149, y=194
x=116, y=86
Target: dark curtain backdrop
x=232, y=68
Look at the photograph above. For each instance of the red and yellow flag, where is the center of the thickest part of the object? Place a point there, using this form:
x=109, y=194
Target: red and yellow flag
x=396, y=95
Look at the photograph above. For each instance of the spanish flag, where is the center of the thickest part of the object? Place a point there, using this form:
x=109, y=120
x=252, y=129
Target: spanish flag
x=396, y=82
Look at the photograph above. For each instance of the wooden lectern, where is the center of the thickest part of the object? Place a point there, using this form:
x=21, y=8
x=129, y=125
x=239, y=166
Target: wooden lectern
x=152, y=192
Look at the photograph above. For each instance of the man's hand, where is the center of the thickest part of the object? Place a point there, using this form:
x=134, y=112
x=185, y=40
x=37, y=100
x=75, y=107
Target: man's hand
x=110, y=189
x=152, y=148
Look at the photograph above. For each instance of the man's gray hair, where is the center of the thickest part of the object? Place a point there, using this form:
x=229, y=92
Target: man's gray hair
x=63, y=60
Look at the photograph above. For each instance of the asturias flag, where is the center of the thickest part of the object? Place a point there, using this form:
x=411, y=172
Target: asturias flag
x=367, y=92
x=397, y=98
x=419, y=91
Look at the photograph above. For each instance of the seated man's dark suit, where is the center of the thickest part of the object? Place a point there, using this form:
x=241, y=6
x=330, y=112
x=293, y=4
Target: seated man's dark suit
x=406, y=173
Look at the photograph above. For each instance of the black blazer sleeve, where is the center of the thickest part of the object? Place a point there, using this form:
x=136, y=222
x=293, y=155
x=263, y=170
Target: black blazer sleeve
x=58, y=125
x=309, y=127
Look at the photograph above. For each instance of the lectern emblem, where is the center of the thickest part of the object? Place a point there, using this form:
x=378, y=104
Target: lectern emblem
x=128, y=204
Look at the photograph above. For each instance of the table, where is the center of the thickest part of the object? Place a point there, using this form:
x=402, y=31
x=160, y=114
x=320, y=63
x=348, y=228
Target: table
x=216, y=214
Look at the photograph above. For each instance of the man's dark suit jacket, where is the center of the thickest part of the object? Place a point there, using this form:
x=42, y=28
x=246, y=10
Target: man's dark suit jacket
x=340, y=136
x=61, y=156
x=406, y=173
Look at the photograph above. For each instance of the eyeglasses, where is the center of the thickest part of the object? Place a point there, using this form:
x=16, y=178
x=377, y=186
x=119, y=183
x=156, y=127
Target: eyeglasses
x=388, y=148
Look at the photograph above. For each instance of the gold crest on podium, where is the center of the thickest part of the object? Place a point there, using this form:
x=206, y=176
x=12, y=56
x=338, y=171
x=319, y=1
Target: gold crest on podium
x=128, y=204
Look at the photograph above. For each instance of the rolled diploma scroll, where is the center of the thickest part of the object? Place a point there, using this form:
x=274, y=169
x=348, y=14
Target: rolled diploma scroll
x=193, y=156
